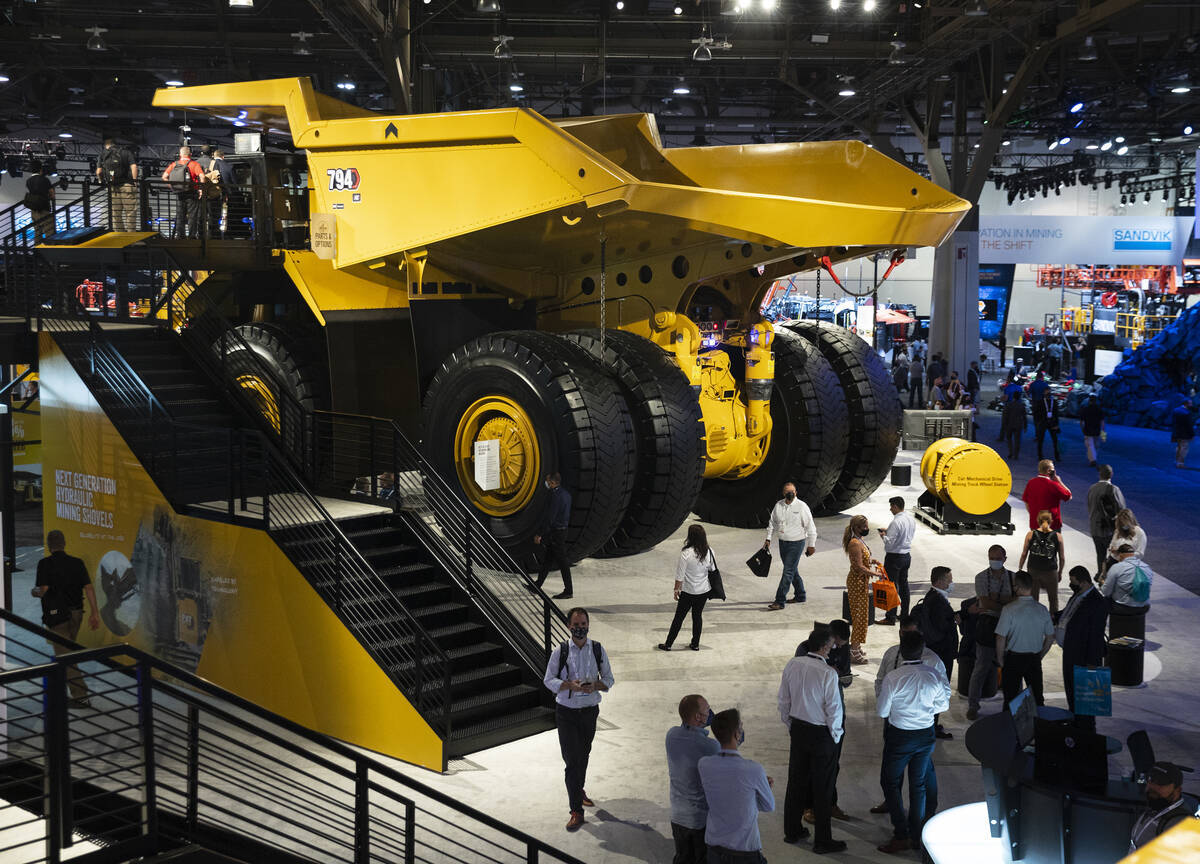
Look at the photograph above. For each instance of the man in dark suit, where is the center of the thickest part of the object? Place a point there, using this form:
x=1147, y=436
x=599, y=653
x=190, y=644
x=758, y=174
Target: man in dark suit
x=939, y=626
x=1045, y=419
x=1080, y=633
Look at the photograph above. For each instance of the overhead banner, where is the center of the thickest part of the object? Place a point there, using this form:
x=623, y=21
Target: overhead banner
x=1083, y=239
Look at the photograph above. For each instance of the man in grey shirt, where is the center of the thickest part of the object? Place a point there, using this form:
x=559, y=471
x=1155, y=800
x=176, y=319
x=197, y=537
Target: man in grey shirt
x=687, y=743
x=1024, y=634
x=993, y=589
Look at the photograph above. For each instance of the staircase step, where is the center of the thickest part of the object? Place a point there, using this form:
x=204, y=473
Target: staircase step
x=440, y=614
x=494, y=731
x=506, y=700
x=406, y=572
x=422, y=593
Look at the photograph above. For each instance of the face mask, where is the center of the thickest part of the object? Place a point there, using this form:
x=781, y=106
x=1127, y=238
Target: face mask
x=864, y=532
x=995, y=565
x=742, y=737
x=1157, y=802
x=789, y=497
x=547, y=484
x=580, y=632
x=949, y=587
x=708, y=720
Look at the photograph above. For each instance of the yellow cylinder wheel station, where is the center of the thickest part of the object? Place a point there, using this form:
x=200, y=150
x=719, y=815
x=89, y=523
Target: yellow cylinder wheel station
x=971, y=476
x=968, y=487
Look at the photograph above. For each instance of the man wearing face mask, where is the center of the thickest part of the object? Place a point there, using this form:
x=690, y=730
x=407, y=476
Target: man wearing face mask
x=810, y=705
x=897, y=552
x=578, y=672
x=553, y=534
x=1080, y=634
x=792, y=522
x=687, y=744
x=1167, y=805
x=993, y=589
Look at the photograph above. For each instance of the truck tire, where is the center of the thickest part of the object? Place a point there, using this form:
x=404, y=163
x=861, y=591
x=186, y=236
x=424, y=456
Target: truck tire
x=549, y=390
x=280, y=364
x=876, y=417
x=668, y=434
x=808, y=440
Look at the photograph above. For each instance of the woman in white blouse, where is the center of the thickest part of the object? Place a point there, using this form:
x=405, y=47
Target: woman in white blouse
x=691, y=585
x=1128, y=531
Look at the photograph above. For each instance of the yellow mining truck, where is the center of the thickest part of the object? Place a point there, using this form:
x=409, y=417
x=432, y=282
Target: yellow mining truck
x=586, y=298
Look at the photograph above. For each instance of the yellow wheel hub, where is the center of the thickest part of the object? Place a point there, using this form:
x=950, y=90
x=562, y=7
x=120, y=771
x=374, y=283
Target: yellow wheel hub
x=498, y=418
x=267, y=403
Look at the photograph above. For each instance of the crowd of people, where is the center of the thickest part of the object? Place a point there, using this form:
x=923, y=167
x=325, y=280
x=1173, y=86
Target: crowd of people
x=1004, y=631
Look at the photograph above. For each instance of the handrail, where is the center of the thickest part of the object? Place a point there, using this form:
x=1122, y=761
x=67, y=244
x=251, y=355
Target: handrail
x=361, y=770
x=456, y=535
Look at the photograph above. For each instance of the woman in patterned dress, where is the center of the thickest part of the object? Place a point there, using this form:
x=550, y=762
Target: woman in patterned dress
x=858, y=584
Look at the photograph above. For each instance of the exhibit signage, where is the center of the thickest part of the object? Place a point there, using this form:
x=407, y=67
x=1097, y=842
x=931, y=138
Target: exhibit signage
x=1083, y=240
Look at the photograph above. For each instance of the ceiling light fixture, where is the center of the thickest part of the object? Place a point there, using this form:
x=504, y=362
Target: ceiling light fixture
x=770, y=5
x=835, y=5
x=703, y=52
x=516, y=87
x=96, y=42
x=4, y=79
x=65, y=135
x=1146, y=200
x=1187, y=130
x=678, y=10
x=868, y=5
x=241, y=4
x=1106, y=146
x=1120, y=139
x=1005, y=143
x=1076, y=108
x=1053, y=145
x=1181, y=89
x=681, y=89
x=620, y=5
x=1088, y=52
x=976, y=9
x=502, y=52
x=1093, y=147
x=1122, y=150
x=846, y=91
x=487, y=7
x=1065, y=140
x=173, y=82
x=896, y=58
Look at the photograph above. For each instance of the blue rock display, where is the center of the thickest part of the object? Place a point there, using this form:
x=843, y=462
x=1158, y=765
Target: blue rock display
x=1151, y=381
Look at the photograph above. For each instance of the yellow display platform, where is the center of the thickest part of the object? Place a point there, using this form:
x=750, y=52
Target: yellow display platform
x=221, y=600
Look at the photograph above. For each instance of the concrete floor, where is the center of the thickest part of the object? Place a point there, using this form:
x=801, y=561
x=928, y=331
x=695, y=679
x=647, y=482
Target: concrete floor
x=744, y=649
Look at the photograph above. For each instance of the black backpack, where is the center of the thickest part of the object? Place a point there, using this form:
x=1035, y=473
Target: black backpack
x=562, y=656
x=115, y=166
x=1044, y=547
x=180, y=177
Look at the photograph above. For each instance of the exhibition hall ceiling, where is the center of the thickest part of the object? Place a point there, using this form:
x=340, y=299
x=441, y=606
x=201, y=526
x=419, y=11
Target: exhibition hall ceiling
x=712, y=71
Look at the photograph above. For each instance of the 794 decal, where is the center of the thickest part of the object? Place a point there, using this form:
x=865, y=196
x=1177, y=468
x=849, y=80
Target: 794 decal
x=342, y=179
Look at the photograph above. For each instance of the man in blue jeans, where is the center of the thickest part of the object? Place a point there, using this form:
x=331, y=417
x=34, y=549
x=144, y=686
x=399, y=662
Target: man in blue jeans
x=792, y=522
x=897, y=553
x=910, y=698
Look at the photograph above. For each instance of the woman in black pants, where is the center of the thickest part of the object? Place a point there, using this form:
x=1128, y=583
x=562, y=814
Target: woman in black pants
x=691, y=585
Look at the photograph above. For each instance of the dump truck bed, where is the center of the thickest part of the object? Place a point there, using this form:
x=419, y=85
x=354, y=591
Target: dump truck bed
x=531, y=196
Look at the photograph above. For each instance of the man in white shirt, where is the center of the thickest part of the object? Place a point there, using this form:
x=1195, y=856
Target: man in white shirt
x=792, y=522
x=810, y=705
x=911, y=697
x=1127, y=583
x=736, y=790
x=897, y=552
x=577, y=674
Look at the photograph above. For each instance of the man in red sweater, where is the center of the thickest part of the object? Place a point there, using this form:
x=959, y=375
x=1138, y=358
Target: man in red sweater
x=1045, y=492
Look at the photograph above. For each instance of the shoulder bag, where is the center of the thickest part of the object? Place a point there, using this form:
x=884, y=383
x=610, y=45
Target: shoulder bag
x=716, y=587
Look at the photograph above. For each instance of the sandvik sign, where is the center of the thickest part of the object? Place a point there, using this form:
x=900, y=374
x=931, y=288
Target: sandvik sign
x=1083, y=239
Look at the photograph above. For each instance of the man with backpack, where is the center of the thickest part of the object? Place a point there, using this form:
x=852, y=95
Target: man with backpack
x=184, y=176
x=578, y=672
x=39, y=199
x=218, y=183
x=118, y=170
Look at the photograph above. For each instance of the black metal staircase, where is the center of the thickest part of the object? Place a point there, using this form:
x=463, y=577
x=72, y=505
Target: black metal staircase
x=452, y=620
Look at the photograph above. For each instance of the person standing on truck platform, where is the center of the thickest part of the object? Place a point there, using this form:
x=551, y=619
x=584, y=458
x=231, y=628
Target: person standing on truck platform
x=552, y=536
x=119, y=171
x=219, y=182
x=184, y=177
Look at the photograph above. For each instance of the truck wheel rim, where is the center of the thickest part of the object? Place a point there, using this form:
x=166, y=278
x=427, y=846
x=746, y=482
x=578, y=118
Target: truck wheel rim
x=498, y=418
x=267, y=403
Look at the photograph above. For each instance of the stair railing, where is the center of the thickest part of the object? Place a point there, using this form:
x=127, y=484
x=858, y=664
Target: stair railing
x=344, y=455
x=388, y=467
x=163, y=758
